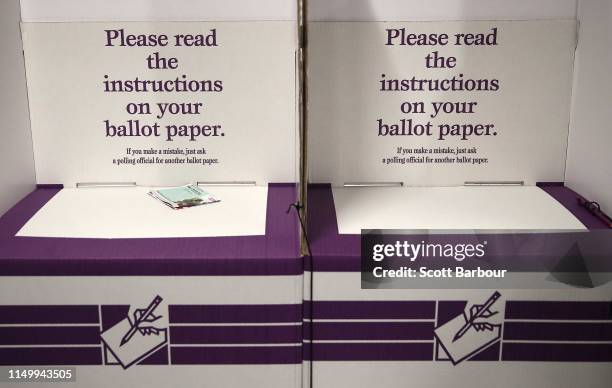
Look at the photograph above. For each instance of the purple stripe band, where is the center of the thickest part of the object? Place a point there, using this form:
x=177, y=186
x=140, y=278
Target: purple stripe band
x=321, y=262
x=50, y=335
x=51, y=356
x=272, y=313
x=561, y=331
x=557, y=352
x=151, y=267
x=371, y=310
x=559, y=310
x=236, y=355
x=192, y=335
x=48, y=314
x=371, y=331
x=370, y=351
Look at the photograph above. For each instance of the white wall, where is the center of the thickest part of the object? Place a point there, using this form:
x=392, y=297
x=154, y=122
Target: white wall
x=16, y=160
x=424, y=10
x=156, y=10
x=589, y=154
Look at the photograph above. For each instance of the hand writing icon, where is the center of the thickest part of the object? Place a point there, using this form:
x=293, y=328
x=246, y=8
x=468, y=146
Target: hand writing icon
x=146, y=325
x=482, y=322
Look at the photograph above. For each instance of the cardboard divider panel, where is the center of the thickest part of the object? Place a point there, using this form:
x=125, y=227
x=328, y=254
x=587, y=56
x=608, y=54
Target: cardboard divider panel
x=162, y=103
x=439, y=103
x=16, y=157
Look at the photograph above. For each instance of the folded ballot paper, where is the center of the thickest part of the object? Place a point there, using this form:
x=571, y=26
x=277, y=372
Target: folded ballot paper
x=183, y=196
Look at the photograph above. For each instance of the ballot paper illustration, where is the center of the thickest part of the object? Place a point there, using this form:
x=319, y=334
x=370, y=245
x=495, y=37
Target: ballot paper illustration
x=471, y=332
x=136, y=337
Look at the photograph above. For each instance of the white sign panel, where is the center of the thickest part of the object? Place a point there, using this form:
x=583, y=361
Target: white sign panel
x=162, y=103
x=439, y=103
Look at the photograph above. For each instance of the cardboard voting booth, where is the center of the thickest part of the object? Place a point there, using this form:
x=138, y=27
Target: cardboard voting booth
x=441, y=121
x=409, y=136
x=128, y=97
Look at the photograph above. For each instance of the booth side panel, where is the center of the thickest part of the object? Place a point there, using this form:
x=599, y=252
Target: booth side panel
x=17, y=177
x=589, y=156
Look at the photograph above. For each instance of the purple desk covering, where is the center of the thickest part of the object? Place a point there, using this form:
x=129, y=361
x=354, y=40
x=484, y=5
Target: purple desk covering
x=334, y=252
x=275, y=253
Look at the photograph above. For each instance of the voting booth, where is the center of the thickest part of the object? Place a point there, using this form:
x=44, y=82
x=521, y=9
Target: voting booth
x=455, y=118
x=405, y=133
x=104, y=101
